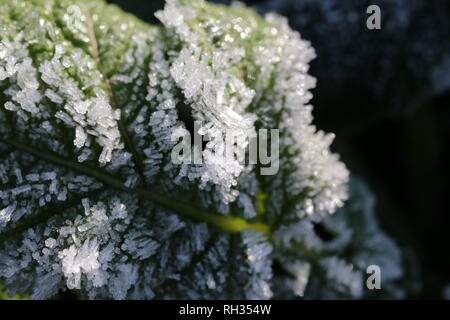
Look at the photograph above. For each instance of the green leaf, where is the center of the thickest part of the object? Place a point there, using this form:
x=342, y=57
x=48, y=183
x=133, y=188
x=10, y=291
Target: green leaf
x=91, y=99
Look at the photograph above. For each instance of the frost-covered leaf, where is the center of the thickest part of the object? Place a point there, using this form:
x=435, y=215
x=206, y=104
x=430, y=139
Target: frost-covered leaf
x=93, y=101
x=331, y=258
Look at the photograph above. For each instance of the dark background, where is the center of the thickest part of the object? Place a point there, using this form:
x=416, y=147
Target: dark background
x=386, y=95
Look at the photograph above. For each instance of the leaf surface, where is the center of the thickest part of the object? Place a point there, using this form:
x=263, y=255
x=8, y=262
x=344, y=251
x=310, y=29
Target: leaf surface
x=91, y=99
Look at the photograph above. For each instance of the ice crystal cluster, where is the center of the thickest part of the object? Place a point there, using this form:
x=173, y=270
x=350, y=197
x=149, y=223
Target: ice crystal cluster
x=92, y=101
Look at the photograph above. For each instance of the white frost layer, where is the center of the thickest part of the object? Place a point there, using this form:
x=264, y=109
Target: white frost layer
x=78, y=110
x=217, y=97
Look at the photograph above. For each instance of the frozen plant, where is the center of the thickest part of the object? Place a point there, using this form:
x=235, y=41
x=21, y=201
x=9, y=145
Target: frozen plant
x=90, y=100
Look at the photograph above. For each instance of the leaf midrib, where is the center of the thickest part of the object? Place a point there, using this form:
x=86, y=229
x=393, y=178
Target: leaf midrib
x=226, y=223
